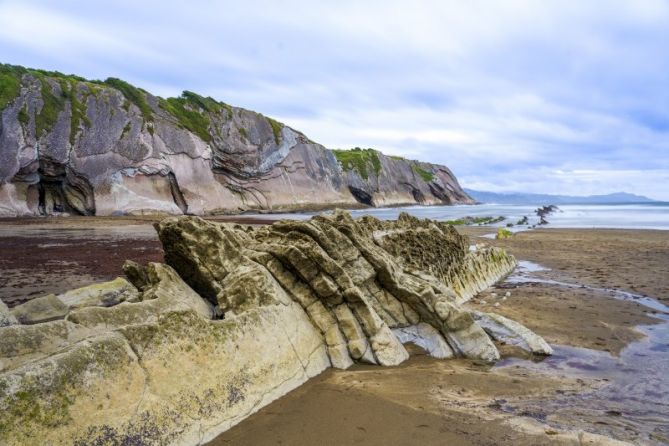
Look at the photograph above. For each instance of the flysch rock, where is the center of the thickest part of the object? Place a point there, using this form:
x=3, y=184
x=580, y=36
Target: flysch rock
x=511, y=332
x=108, y=148
x=42, y=309
x=426, y=337
x=104, y=294
x=237, y=317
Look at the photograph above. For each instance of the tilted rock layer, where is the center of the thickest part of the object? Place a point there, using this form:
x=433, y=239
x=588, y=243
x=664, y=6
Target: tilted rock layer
x=238, y=317
x=68, y=145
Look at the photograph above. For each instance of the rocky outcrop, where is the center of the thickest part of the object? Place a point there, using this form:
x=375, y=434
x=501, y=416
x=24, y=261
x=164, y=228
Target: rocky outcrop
x=376, y=179
x=69, y=145
x=236, y=318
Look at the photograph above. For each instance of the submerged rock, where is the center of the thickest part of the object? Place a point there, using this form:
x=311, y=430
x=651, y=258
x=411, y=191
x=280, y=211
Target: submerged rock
x=238, y=317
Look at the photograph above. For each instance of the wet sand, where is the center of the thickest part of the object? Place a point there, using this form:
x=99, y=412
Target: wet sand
x=630, y=260
x=460, y=402
x=423, y=401
x=39, y=256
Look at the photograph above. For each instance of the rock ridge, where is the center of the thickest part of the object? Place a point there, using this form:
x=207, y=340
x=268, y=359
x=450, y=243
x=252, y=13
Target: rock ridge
x=237, y=317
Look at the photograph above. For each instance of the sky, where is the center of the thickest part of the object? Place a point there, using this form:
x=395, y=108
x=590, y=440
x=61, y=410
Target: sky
x=546, y=96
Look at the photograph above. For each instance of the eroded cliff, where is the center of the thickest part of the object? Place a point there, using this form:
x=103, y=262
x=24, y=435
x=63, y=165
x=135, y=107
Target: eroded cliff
x=70, y=145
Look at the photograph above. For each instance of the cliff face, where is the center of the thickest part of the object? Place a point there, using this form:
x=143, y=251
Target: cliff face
x=102, y=148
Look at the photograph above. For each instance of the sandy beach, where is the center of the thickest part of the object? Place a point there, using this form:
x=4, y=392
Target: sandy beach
x=432, y=402
x=423, y=401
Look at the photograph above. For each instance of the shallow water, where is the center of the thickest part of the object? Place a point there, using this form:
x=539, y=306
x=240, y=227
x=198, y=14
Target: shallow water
x=627, y=216
x=633, y=403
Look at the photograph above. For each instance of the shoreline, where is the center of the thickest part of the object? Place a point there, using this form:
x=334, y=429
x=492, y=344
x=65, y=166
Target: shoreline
x=464, y=402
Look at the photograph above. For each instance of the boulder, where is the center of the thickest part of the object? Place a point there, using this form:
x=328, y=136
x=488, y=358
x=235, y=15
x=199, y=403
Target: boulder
x=42, y=309
x=104, y=294
x=511, y=332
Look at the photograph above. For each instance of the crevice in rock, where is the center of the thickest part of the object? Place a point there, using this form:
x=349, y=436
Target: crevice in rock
x=361, y=196
x=439, y=192
x=177, y=195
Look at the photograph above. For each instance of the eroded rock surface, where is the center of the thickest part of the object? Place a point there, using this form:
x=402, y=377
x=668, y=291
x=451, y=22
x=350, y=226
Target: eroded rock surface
x=238, y=317
x=73, y=146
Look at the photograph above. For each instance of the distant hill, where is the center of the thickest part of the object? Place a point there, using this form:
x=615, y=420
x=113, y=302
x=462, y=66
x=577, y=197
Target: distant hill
x=525, y=198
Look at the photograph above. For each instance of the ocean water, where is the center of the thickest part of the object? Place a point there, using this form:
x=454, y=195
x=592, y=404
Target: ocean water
x=626, y=216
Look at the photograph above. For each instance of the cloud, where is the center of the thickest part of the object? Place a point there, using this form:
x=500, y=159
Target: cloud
x=508, y=94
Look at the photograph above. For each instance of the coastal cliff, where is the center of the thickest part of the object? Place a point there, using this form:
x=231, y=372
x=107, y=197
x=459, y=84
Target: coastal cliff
x=75, y=146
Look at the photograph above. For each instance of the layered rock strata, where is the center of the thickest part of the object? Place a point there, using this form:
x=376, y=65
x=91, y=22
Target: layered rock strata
x=236, y=318
x=69, y=145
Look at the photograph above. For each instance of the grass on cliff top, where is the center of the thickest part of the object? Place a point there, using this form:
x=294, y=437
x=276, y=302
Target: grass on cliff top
x=10, y=84
x=53, y=104
x=133, y=94
x=360, y=160
x=426, y=175
x=191, y=111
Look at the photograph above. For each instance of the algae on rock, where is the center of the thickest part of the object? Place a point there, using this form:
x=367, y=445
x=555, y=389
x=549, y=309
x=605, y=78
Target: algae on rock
x=238, y=317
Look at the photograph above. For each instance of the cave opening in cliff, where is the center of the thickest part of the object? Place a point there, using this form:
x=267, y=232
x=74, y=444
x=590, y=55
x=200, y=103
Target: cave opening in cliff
x=62, y=191
x=361, y=196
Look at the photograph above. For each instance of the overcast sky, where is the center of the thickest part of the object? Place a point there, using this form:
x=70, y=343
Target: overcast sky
x=538, y=96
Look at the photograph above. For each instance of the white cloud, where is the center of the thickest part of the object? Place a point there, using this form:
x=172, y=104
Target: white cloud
x=507, y=94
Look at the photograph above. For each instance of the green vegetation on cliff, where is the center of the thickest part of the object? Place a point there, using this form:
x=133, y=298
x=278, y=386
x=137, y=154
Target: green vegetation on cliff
x=191, y=110
x=54, y=103
x=78, y=108
x=276, y=129
x=133, y=94
x=10, y=84
x=426, y=175
x=359, y=160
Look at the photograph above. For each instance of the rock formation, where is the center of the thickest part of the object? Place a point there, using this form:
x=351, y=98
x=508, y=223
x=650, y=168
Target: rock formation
x=237, y=317
x=69, y=145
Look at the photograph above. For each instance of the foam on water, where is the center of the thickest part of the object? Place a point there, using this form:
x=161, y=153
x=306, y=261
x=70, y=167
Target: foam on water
x=625, y=216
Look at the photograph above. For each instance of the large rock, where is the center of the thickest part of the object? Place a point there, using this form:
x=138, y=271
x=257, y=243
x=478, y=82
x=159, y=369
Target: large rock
x=158, y=371
x=238, y=318
x=68, y=145
x=356, y=279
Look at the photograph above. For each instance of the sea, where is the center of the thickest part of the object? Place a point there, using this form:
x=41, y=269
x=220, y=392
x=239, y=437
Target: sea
x=623, y=216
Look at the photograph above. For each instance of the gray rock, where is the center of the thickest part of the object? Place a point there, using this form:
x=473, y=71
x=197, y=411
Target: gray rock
x=513, y=333
x=42, y=309
x=104, y=294
x=106, y=152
